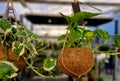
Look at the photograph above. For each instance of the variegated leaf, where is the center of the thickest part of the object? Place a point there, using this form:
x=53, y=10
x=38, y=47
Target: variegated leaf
x=5, y=25
x=7, y=70
x=18, y=48
x=30, y=47
x=49, y=63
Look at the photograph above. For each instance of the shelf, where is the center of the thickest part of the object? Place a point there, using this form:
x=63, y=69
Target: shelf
x=58, y=20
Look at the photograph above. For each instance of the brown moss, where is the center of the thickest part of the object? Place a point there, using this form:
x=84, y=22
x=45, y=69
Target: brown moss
x=2, y=53
x=75, y=61
x=19, y=61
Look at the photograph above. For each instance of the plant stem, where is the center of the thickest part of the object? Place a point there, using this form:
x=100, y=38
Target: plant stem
x=106, y=52
x=101, y=45
x=39, y=74
x=75, y=1
x=64, y=43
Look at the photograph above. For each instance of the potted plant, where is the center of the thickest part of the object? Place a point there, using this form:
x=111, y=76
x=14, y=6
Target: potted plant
x=18, y=45
x=76, y=57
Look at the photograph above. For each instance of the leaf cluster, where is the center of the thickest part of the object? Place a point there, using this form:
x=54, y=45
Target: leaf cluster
x=21, y=40
x=80, y=36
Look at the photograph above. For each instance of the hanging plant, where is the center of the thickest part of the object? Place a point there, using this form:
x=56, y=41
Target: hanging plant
x=76, y=58
x=18, y=47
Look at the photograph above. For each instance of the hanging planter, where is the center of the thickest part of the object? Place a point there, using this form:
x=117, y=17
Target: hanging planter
x=76, y=58
x=79, y=61
x=18, y=47
x=19, y=61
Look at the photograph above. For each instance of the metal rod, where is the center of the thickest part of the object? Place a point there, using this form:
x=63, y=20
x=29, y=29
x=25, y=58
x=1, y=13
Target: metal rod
x=115, y=57
x=69, y=2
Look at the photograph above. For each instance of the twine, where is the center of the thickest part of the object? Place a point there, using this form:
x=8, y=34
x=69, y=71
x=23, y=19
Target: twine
x=64, y=43
x=8, y=9
x=75, y=1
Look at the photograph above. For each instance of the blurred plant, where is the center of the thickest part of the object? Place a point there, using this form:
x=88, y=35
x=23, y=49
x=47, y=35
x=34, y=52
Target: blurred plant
x=18, y=47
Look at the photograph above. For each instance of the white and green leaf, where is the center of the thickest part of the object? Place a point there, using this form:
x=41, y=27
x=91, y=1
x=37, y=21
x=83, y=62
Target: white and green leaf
x=30, y=47
x=18, y=48
x=5, y=25
x=7, y=70
x=21, y=34
x=49, y=63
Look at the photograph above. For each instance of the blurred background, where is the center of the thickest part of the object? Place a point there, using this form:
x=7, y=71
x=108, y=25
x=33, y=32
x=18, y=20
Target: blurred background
x=43, y=18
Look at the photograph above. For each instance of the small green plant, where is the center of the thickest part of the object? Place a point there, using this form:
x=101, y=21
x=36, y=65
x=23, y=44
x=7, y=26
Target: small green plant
x=80, y=36
x=76, y=57
x=19, y=44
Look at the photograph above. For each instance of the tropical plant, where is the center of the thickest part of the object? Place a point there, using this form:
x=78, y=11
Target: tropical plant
x=80, y=36
x=18, y=45
x=76, y=58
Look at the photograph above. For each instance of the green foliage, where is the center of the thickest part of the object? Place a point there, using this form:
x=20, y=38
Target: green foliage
x=61, y=37
x=78, y=16
x=103, y=34
x=116, y=42
x=7, y=70
x=18, y=48
x=29, y=46
x=22, y=41
x=5, y=25
x=49, y=63
x=79, y=36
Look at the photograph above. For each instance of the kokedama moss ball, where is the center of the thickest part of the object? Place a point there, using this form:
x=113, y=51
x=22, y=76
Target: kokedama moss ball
x=75, y=62
x=11, y=57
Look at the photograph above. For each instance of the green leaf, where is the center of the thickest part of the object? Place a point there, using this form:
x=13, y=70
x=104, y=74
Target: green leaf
x=7, y=70
x=14, y=30
x=117, y=41
x=74, y=35
x=82, y=15
x=21, y=34
x=23, y=27
x=49, y=63
x=89, y=34
x=5, y=25
x=61, y=37
x=69, y=44
x=30, y=47
x=18, y=48
x=67, y=18
x=31, y=34
x=103, y=34
x=26, y=32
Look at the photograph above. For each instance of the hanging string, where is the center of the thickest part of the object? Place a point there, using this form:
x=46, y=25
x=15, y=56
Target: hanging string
x=75, y=1
x=10, y=9
x=90, y=6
